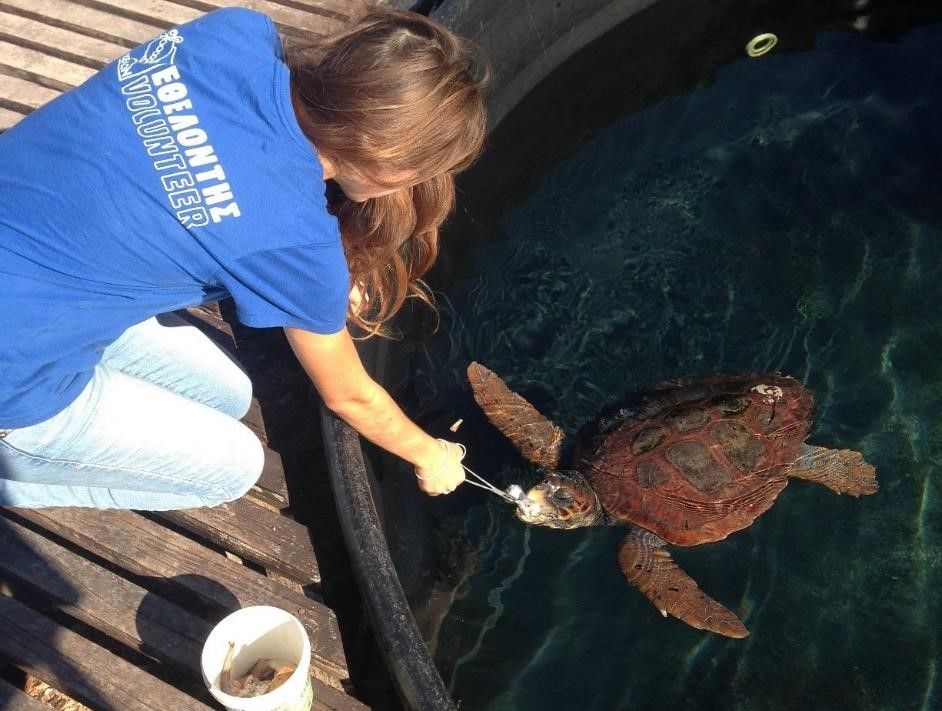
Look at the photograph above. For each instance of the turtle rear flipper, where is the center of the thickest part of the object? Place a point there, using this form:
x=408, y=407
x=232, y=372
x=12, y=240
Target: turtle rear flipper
x=650, y=568
x=841, y=470
x=538, y=439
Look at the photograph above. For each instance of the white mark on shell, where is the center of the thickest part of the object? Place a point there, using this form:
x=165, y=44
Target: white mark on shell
x=771, y=394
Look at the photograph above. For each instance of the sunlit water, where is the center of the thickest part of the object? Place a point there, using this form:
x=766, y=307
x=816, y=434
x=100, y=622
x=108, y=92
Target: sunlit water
x=788, y=217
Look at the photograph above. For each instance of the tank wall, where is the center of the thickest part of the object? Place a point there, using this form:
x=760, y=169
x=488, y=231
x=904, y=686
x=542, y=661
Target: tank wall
x=525, y=40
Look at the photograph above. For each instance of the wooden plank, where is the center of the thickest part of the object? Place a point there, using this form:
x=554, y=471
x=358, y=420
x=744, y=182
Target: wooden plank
x=86, y=672
x=255, y=421
x=316, y=17
x=13, y=699
x=143, y=547
x=112, y=605
x=327, y=698
x=9, y=118
x=152, y=12
x=344, y=9
x=24, y=96
x=254, y=533
x=57, y=41
x=45, y=69
x=271, y=488
x=215, y=307
x=30, y=562
x=85, y=20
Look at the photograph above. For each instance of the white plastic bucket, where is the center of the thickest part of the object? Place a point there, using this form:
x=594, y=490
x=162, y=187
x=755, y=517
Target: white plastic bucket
x=260, y=632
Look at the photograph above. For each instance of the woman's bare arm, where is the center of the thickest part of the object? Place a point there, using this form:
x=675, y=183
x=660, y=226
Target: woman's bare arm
x=334, y=367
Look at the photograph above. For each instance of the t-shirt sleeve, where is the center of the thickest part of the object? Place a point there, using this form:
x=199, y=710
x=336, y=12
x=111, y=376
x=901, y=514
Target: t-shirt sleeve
x=304, y=287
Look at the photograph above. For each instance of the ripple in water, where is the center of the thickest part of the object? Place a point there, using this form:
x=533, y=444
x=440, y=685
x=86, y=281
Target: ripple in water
x=785, y=218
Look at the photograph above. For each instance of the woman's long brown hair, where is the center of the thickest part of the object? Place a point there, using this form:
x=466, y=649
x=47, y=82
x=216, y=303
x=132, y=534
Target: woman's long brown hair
x=394, y=92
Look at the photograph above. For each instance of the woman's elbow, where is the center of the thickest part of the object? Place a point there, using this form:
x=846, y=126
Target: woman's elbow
x=351, y=403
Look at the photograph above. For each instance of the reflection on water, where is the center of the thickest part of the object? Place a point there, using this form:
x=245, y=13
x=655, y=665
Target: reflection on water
x=785, y=218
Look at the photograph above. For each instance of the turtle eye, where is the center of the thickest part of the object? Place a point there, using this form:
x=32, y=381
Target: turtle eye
x=563, y=496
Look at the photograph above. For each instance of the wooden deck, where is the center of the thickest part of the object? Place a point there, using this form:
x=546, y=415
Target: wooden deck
x=50, y=46
x=112, y=607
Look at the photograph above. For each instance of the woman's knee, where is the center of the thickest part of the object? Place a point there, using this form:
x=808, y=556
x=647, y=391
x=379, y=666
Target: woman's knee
x=236, y=399
x=180, y=358
x=248, y=458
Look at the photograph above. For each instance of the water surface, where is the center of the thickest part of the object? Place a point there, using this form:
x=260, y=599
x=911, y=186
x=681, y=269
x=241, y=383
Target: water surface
x=786, y=217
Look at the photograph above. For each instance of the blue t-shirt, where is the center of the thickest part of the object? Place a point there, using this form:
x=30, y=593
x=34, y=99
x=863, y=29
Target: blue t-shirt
x=176, y=175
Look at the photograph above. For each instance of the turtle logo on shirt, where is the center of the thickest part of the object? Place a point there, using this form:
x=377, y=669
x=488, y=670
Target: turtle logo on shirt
x=157, y=53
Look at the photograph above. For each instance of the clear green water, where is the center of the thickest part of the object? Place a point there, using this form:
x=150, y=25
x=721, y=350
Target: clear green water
x=787, y=217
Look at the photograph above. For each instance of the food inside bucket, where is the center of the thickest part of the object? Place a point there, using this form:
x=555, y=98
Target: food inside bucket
x=265, y=676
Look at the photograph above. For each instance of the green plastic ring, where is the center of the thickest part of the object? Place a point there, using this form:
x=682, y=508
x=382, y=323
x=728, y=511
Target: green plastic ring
x=761, y=44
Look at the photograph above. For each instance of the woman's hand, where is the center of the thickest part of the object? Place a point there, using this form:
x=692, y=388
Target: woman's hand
x=443, y=473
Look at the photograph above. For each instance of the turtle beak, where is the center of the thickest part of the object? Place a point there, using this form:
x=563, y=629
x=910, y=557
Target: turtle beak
x=526, y=507
x=535, y=506
x=529, y=509
x=559, y=502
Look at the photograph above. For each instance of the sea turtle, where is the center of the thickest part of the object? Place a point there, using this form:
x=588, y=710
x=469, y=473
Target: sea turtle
x=688, y=462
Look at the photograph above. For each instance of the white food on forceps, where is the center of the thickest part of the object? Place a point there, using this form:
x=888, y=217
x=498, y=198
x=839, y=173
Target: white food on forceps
x=520, y=498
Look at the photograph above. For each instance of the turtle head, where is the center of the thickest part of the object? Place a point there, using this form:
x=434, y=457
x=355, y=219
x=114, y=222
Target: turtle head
x=561, y=500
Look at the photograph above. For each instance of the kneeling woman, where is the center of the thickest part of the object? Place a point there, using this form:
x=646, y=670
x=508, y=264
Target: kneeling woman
x=193, y=169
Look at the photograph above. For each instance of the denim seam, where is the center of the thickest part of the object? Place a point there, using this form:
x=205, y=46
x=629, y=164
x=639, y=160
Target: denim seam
x=145, y=473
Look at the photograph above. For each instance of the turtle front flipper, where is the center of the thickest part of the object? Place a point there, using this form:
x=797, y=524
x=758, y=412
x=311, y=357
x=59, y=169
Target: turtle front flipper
x=650, y=568
x=841, y=470
x=538, y=439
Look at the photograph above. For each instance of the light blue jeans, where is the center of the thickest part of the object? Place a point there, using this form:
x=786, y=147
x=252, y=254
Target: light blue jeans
x=157, y=428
